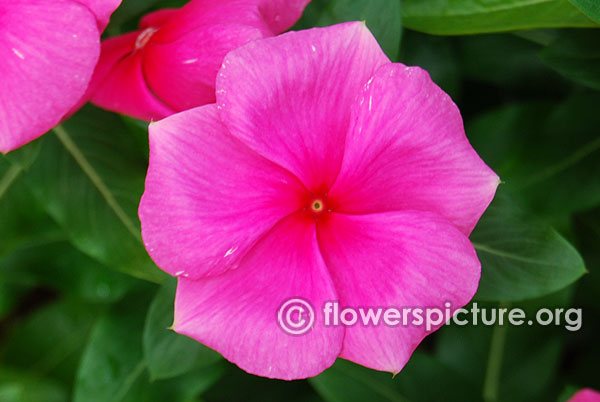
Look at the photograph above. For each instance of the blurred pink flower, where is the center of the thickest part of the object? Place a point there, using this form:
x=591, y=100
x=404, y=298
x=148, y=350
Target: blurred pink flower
x=586, y=395
x=325, y=172
x=171, y=63
x=48, y=50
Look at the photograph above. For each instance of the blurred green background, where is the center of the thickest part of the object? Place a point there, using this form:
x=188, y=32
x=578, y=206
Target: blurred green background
x=84, y=312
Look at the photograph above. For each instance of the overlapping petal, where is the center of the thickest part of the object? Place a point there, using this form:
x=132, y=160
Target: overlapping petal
x=401, y=259
x=236, y=313
x=48, y=50
x=102, y=9
x=208, y=197
x=119, y=83
x=289, y=97
x=407, y=150
x=183, y=72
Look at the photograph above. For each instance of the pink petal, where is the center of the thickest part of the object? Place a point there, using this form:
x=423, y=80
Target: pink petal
x=157, y=18
x=395, y=259
x=289, y=97
x=205, y=13
x=586, y=395
x=208, y=197
x=102, y=9
x=407, y=150
x=282, y=14
x=183, y=72
x=236, y=313
x=48, y=50
x=119, y=83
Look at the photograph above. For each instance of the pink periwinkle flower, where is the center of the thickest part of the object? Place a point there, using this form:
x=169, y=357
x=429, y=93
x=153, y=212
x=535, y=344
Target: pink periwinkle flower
x=48, y=51
x=171, y=63
x=586, y=395
x=324, y=172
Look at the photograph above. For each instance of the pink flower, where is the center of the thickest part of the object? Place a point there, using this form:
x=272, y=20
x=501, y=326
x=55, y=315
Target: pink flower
x=171, y=63
x=586, y=395
x=324, y=172
x=48, y=50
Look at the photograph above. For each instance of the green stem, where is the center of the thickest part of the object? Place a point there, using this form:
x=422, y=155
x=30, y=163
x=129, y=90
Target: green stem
x=87, y=168
x=8, y=179
x=491, y=384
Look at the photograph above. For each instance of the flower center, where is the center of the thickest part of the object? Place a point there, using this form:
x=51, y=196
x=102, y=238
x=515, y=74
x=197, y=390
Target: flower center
x=317, y=206
x=144, y=37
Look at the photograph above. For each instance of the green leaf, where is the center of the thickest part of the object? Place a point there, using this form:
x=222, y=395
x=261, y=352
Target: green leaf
x=113, y=368
x=437, y=55
x=112, y=362
x=169, y=354
x=591, y=8
x=383, y=17
x=520, y=257
x=21, y=386
x=89, y=177
x=459, y=17
x=516, y=352
x=348, y=382
x=24, y=221
x=548, y=155
x=576, y=55
x=65, y=325
x=58, y=265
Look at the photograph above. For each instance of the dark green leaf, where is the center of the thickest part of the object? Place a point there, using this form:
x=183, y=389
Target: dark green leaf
x=90, y=177
x=57, y=264
x=65, y=326
x=459, y=17
x=383, y=17
x=347, y=382
x=548, y=156
x=169, y=354
x=576, y=55
x=520, y=257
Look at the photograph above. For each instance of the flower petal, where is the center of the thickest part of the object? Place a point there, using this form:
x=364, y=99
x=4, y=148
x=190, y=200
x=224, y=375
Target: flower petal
x=280, y=15
x=395, y=259
x=585, y=395
x=183, y=72
x=407, y=150
x=119, y=83
x=208, y=197
x=48, y=50
x=102, y=9
x=157, y=18
x=236, y=313
x=289, y=97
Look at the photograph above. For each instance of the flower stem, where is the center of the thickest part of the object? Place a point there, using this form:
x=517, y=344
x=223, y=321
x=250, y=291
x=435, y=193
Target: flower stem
x=491, y=383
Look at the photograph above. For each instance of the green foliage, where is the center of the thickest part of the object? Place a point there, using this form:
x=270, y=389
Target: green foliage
x=521, y=258
x=576, y=55
x=460, y=17
x=167, y=353
x=81, y=318
x=89, y=177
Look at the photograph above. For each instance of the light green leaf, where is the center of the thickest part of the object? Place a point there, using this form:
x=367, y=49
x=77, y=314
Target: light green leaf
x=459, y=17
x=591, y=8
x=520, y=257
x=89, y=177
x=169, y=354
x=22, y=386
